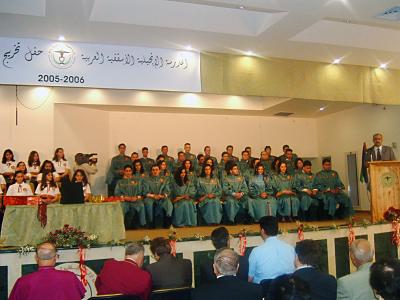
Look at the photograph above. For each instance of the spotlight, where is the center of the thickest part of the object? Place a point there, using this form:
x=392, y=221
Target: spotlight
x=383, y=66
x=337, y=61
x=61, y=38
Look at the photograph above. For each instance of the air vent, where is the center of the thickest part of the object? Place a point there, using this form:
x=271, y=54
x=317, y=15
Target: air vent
x=391, y=14
x=283, y=114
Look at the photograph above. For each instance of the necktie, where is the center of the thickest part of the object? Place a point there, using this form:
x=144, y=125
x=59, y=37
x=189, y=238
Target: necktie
x=19, y=188
x=378, y=154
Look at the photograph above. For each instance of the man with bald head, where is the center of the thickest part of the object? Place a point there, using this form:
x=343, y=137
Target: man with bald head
x=356, y=285
x=47, y=283
x=227, y=286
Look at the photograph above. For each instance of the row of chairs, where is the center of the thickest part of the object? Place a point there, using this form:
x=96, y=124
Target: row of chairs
x=164, y=294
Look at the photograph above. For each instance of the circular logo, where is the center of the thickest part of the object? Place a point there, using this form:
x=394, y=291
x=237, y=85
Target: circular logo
x=388, y=179
x=90, y=277
x=61, y=55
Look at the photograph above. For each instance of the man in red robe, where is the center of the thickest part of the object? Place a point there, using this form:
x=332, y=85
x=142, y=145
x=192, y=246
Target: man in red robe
x=48, y=283
x=125, y=277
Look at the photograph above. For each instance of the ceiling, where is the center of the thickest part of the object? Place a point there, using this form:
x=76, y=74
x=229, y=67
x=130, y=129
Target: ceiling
x=316, y=30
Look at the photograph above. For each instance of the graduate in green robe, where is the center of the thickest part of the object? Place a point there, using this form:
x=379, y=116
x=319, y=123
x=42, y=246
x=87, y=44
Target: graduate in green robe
x=179, y=162
x=116, y=169
x=262, y=194
x=290, y=161
x=138, y=170
x=207, y=155
x=169, y=159
x=157, y=202
x=306, y=192
x=248, y=149
x=299, y=164
x=200, y=162
x=146, y=160
x=288, y=203
x=162, y=164
x=209, y=191
x=266, y=161
x=187, y=164
x=331, y=191
x=131, y=192
x=222, y=166
x=248, y=174
x=187, y=147
x=229, y=150
x=245, y=163
x=183, y=193
x=235, y=196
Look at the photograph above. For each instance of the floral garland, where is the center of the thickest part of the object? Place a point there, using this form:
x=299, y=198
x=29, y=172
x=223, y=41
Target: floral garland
x=393, y=215
x=300, y=231
x=242, y=235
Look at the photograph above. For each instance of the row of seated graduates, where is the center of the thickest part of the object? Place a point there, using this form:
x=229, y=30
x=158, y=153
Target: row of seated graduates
x=288, y=194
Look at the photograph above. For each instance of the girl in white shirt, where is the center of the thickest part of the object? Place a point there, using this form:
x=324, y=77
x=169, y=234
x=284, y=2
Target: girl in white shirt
x=34, y=166
x=48, y=191
x=19, y=188
x=21, y=166
x=2, y=184
x=8, y=166
x=47, y=166
x=61, y=164
x=80, y=176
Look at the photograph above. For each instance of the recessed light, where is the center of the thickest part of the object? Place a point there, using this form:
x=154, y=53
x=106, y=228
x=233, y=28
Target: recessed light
x=241, y=7
x=61, y=38
x=249, y=53
x=383, y=66
x=337, y=61
x=189, y=48
x=322, y=108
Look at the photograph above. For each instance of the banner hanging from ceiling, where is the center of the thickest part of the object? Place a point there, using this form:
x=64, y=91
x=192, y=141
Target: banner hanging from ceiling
x=49, y=63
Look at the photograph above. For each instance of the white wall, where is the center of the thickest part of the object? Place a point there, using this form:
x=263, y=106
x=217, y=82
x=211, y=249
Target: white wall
x=344, y=132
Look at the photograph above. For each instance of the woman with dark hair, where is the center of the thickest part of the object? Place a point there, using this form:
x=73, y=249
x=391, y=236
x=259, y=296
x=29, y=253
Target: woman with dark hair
x=47, y=165
x=8, y=166
x=34, y=166
x=385, y=278
x=183, y=191
x=21, y=166
x=298, y=165
x=210, y=192
x=19, y=188
x=288, y=203
x=274, y=166
x=262, y=194
x=188, y=165
x=80, y=176
x=61, y=164
x=162, y=164
x=138, y=170
x=200, y=161
x=48, y=191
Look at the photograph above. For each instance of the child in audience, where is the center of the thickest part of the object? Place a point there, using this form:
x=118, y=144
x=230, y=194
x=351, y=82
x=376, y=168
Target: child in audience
x=34, y=166
x=80, y=176
x=7, y=167
x=48, y=191
x=19, y=188
x=61, y=164
x=47, y=166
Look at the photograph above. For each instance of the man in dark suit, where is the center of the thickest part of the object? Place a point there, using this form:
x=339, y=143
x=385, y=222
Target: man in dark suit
x=227, y=285
x=125, y=277
x=379, y=152
x=168, y=271
x=220, y=239
x=322, y=286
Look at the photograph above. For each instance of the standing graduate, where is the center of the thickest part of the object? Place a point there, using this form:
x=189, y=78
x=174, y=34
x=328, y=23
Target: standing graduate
x=116, y=169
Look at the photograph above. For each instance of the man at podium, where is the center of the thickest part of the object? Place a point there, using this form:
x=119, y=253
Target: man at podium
x=379, y=152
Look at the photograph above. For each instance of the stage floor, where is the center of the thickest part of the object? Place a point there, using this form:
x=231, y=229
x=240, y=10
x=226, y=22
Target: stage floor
x=140, y=234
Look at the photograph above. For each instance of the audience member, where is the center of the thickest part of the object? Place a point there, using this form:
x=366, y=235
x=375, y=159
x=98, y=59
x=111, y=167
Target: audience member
x=289, y=287
x=125, y=277
x=356, y=286
x=227, y=285
x=220, y=240
x=322, y=285
x=385, y=278
x=274, y=257
x=47, y=282
x=168, y=271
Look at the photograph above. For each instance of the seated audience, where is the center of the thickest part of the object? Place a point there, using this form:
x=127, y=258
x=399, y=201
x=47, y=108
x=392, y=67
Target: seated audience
x=48, y=190
x=289, y=287
x=34, y=166
x=227, y=286
x=8, y=166
x=125, y=277
x=274, y=257
x=322, y=286
x=20, y=187
x=61, y=164
x=168, y=271
x=80, y=176
x=220, y=239
x=356, y=286
x=47, y=166
x=47, y=282
x=385, y=278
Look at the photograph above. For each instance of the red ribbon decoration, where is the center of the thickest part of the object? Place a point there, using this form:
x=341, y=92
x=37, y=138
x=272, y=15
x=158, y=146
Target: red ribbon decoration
x=42, y=214
x=396, y=232
x=300, y=232
x=352, y=236
x=82, y=266
x=242, y=244
x=172, y=244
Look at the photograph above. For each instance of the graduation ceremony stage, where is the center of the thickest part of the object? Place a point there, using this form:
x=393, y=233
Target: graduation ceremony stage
x=194, y=244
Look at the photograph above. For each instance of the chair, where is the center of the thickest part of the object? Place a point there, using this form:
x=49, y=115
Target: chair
x=183, y=293
x=114, y=297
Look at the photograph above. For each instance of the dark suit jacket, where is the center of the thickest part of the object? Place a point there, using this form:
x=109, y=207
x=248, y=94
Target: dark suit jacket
x=228, y=288
x=323, y=286
x=207, y=272
x=386, y=154
x=170, y=272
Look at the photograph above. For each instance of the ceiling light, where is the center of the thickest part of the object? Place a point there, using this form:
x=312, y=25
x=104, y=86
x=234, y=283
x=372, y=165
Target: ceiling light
x=189, y=48
x=383, y=66
x=337, y=61
x=61, y=38
x=322, y=108
x=249, y=53
x=241, y=7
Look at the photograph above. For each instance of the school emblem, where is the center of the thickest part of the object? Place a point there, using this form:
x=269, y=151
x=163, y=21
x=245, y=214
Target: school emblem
x=61, y=55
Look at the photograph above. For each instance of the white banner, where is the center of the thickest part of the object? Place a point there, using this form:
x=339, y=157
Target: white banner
x=49, y=63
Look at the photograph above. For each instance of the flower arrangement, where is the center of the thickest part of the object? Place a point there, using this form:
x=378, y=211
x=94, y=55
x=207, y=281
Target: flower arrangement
x=71, y=237
x=392, y=214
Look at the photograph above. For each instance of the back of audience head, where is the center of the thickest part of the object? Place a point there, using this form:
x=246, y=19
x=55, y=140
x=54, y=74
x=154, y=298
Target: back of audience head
x=220, y=238
x=46, y=254
x=160, y=247
x=268, y=226
x=307, y=253
x=361, y=252
x=289, y=287
x=226, y=262
x=135, y=251
x=385, y=278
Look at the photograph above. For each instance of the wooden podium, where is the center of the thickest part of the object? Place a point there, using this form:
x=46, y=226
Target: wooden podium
x=385, y=187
